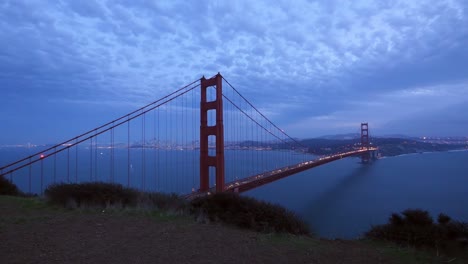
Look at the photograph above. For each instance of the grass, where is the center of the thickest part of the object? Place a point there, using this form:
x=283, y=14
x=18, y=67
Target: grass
x=46, y=211
x=404, y=255
x=411, y=229
x=389, y=250
x=29, y=203
x=158, y=215
x=300, y=242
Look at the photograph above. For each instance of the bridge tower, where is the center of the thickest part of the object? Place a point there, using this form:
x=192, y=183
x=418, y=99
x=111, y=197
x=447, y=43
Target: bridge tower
x=216, y=130
x=365, y=142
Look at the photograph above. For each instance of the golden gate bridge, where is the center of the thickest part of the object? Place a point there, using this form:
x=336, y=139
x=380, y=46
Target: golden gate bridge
x=198, y=139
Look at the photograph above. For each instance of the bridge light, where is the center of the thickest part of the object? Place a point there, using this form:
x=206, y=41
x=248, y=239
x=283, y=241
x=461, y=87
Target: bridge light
x=42, y=156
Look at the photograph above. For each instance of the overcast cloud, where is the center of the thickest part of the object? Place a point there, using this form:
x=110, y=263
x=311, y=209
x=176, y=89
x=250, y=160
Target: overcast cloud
x=314, y=67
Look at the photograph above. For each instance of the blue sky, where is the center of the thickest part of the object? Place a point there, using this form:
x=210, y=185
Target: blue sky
x=313, y=67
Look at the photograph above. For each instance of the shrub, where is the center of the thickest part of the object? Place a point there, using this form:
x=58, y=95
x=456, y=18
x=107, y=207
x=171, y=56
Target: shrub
x=247, y=213
x=443, y=219
x=396, y=220
x=417, y=217
x=8, y=188
x=91, y=194
x=161, y=201
x=416, y=228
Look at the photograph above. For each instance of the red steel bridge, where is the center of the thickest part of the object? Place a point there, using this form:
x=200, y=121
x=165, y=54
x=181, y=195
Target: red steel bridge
x=196, y=140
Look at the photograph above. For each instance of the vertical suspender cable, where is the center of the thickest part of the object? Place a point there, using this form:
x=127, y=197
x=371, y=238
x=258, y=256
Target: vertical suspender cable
x=128, y=153
x=157, y=157
x=68, y=164
x=111, y=154
x=176, y=160
x=42, y=176
x=166, y=175
x=96, y=176
x=143, y=159
x=91, y=159
x=55, y=166
x=194, y=121
x=76, y=161
x=29, y=179
x=154, y=150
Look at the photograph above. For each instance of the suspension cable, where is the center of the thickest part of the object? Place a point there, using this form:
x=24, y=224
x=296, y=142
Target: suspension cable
x=284, y=133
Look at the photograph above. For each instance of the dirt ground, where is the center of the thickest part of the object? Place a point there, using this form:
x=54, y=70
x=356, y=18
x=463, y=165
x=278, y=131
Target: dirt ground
x=32, y=232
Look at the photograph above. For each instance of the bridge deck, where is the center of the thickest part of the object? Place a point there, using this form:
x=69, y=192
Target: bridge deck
x=254, y=181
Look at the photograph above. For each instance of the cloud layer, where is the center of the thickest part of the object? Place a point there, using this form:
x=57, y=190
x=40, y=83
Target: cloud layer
x=314, y=66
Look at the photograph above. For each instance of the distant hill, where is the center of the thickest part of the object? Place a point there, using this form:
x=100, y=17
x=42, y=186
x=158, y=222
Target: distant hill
x=396, y=136
x=342, y=136
x=387, y=146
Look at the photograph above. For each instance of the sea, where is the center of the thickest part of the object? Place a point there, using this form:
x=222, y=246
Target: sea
x=339, y=200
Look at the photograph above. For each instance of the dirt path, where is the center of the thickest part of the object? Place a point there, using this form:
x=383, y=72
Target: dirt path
x=31, y=232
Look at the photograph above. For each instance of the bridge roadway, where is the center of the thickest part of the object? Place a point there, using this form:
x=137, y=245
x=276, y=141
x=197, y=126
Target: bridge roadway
x=255, y=181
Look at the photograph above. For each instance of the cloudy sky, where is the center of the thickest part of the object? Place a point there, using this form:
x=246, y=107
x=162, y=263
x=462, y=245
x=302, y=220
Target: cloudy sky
x=314, y=67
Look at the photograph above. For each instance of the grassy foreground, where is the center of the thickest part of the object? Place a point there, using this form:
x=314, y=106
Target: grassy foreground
x=54, y=234
x=101, y=222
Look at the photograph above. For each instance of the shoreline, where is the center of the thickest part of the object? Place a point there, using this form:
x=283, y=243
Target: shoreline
x=425, y=152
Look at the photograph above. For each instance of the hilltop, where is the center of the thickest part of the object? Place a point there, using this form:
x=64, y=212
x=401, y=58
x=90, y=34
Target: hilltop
x=387, y=146
x=54, y=235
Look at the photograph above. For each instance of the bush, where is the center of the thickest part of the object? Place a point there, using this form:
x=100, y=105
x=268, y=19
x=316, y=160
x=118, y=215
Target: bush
x=163, y=202
x=109, y=194
x=443, y=219
x=416, y=228
x=417, y=217
x=247, y=213
x=8, y=188
x=91, y=194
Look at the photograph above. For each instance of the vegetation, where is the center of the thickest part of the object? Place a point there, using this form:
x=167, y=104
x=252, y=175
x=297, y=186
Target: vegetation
x=8, y=188
x=176, y=238
x=164, y=202
x=99, y=194
x=229, y=208
x=414, y=227
x=105, y=195
x=247, y=213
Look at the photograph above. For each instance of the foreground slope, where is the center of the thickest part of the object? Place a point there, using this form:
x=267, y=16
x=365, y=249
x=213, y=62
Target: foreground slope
x=33, y=232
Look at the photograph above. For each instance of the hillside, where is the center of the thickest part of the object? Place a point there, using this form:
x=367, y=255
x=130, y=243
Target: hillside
x=53, y=235
x=329, y=144
x=387, y=146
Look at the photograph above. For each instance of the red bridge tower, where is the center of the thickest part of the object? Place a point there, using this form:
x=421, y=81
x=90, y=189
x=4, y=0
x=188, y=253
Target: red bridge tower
x=217, y=130
x=365, y=142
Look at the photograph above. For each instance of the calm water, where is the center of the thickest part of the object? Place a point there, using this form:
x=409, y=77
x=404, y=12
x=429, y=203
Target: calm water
x=339, y=200
x=343, y=199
